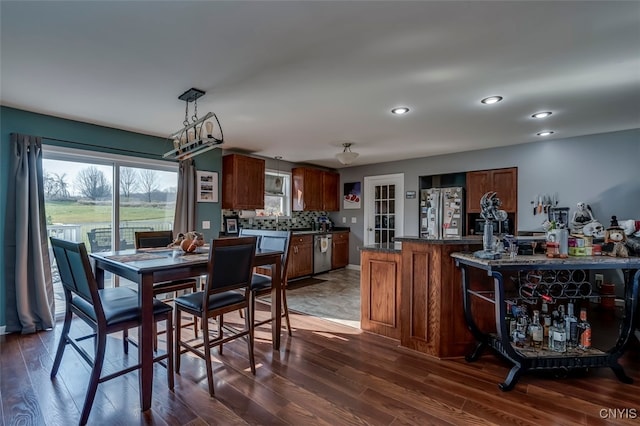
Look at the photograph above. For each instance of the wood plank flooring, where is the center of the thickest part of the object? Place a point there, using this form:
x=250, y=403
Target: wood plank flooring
x=326, y=374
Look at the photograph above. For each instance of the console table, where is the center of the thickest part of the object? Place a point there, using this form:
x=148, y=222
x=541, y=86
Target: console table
x=524, y=360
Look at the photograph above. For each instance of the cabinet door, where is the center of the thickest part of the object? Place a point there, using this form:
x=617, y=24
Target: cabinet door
x=330, y=191
x=505, y=183
x=477, y=186
x=380, y=293
x=306, y=189
x=300, y=257
x=340, y=250
x=242, y=182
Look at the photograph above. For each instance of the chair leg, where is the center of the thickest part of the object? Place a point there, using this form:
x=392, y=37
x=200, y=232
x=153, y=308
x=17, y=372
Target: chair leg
x=155, y=337
x=178, y=341
x=286, y=310
x=170, y=378
x=220, y=324
x=195, y=318
x=63, y=342
x=101, y=344
x=249, y=324
x=207, y=356
x=125, y=341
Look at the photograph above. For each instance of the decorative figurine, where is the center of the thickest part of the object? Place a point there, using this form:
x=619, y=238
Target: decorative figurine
x=581, y=217
x=489, y=205
x=615, y=240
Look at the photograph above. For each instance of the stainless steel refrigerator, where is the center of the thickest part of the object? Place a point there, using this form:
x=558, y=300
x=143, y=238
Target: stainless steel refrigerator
x=442, y=213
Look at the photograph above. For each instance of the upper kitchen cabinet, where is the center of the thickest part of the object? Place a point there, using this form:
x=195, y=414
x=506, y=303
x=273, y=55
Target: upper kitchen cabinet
x=314, y=190
x=242, y=182
x=330, y=192
x=503, y=181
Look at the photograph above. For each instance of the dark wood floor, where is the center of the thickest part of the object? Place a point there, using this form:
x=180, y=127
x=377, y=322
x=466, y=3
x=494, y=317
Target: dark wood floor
x=326, y=374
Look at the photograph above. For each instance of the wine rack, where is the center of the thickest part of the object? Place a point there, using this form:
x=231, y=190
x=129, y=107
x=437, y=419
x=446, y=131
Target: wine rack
x=559, y=279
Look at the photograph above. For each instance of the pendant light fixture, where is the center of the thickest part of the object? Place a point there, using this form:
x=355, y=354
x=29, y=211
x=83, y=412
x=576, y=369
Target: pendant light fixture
x=198, y=136
x=347, y=157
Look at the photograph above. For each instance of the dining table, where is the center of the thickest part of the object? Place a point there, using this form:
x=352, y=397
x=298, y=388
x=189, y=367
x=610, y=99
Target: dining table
x=148, y=266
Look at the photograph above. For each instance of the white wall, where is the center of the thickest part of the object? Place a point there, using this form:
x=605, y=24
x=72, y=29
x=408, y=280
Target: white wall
x=602, y=170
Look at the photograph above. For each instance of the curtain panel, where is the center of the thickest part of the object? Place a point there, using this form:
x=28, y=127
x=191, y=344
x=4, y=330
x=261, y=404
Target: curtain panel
x=185, y=216
x=29, y=287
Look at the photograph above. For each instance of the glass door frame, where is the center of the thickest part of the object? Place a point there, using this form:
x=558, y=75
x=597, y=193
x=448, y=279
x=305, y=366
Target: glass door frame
x=370, y=183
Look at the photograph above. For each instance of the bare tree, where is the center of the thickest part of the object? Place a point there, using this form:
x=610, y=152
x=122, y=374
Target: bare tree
x=148, y=182
x=128, y=181
x=93, y=184
x=55, y=185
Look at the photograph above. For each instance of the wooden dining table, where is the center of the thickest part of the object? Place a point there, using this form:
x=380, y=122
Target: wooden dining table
x=146, y=267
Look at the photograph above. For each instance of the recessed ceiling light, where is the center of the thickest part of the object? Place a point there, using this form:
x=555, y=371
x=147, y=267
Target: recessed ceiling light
x=543, y=114
x=545, y=133
x=491, y=100
x=400, y=110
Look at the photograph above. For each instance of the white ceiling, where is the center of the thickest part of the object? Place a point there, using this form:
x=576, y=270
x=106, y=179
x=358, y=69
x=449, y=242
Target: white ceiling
x=297, y=79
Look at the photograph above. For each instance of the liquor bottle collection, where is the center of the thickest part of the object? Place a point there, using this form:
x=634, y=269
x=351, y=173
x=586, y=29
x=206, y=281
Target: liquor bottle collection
x=557, y=331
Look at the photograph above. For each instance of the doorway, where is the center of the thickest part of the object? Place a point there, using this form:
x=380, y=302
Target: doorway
x=383, y=208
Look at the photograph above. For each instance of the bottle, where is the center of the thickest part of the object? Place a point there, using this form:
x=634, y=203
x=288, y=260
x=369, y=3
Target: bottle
x=571, y=327
x=585, y=330
x=510, y=320
x=559, y=339
x=536, y=331
x=545, y=332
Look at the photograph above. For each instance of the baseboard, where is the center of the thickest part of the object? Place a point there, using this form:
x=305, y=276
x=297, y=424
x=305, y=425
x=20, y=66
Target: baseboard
x=354, y=267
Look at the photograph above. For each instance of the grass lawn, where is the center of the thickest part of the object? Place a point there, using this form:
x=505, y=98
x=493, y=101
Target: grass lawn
x=71, y=212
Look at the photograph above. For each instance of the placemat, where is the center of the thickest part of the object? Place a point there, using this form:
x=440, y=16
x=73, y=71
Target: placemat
x=136, y=257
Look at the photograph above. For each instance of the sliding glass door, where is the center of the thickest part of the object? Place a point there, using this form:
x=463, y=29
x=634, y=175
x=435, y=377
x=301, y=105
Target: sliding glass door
x=88, y=193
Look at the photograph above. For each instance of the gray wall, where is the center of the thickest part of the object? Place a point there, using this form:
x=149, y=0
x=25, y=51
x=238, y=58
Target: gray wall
x=601, y=170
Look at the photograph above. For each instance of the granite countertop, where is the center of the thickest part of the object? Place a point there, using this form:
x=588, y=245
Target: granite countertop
x=544, y=262
x=395, y=247
x=471, y=239
x=309, y=231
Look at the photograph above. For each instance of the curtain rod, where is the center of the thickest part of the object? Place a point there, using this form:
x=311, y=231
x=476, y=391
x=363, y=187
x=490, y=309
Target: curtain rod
x=111, y=150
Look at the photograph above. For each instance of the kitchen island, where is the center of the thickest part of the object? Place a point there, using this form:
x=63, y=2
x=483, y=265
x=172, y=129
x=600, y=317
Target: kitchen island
x=412, y=292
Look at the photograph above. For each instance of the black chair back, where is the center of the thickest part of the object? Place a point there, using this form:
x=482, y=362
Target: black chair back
x=272, y=240
x=150, y=239
x=230, y=264
x=76, y=274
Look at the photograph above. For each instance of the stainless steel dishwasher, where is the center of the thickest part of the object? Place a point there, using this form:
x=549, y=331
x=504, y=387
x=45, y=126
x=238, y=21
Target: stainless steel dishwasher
x=321, y=253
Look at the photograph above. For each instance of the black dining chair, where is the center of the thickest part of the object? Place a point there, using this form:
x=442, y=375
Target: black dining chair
x=154, y=239
x=227, y=289
x=106, y=311
x=261, y=283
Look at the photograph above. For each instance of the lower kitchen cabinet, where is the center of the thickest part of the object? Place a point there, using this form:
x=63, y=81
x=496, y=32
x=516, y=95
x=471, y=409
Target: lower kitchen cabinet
x=340, y=250
x=380, y=292
x=300, y=256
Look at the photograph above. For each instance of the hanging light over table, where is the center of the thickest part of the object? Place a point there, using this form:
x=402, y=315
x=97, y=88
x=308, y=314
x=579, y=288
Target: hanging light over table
x=198, y=136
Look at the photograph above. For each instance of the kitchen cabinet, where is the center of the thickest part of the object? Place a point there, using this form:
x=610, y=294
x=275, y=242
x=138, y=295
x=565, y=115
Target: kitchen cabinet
x=300, y=256
x=340, y=250
x=431, y=313
x=330, y=192
x=242, y=182
x=314, y=190
x=380, y=292
x=502, y=181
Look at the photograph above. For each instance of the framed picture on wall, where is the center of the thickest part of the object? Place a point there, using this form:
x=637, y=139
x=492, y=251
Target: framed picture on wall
x=207, y=187
x=231, y=225
x=351, y=195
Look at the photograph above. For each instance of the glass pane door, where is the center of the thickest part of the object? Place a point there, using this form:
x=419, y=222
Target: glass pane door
x=384, y=213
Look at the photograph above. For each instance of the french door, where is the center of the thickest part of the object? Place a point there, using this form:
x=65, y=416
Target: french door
x=383, y=208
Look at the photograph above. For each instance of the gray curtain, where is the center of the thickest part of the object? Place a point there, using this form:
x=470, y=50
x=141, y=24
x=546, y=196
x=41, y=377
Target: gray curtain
x=185, y=217
x=30, y=300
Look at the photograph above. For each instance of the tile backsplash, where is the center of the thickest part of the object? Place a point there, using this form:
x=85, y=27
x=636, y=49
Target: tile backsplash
x=303, y=220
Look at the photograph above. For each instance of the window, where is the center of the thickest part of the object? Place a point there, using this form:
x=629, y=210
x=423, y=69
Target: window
x=277, y=195
x=87, y=193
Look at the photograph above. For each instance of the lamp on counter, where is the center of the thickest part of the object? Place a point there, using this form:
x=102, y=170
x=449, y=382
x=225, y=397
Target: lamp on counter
x=198, y=136
x=347, y=157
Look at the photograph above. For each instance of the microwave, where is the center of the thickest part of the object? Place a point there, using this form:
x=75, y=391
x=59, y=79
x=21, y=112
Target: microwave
x=498, y=227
